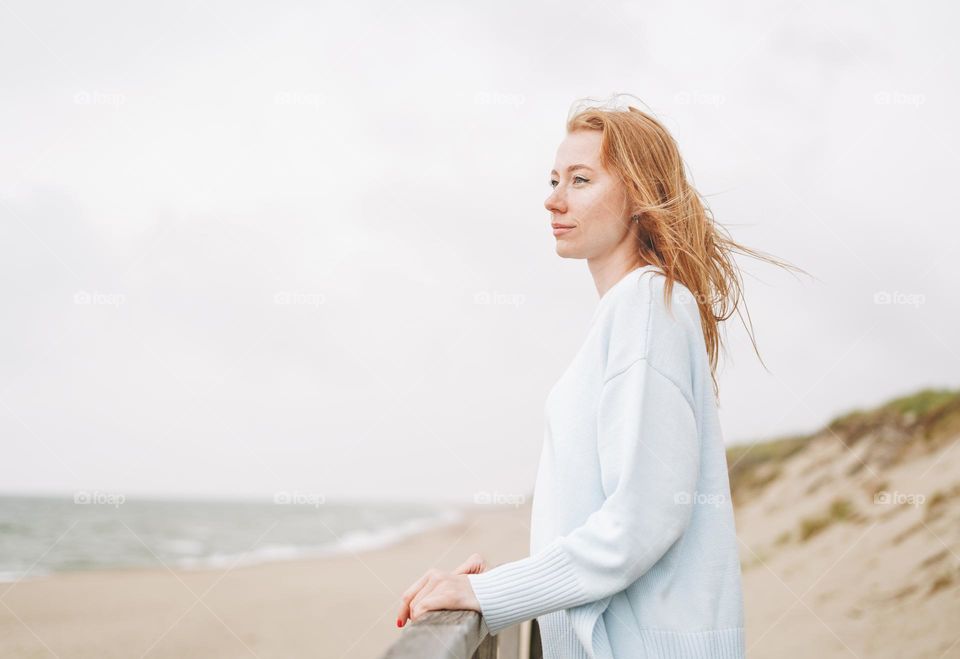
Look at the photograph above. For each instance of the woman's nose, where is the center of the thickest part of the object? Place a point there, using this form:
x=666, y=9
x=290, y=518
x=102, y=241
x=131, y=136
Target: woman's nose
x=555, y=203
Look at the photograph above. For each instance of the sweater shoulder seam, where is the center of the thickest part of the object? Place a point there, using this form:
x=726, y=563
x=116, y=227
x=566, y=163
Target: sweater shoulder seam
x=655, y=369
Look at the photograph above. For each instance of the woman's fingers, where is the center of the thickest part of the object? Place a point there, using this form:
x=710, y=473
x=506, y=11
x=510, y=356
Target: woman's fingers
x=446, y=592
x=408, y=596
x=475, y=564
x=418, y=599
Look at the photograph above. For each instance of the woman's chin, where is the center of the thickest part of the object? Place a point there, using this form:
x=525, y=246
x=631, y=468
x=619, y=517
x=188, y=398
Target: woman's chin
x=566, y=250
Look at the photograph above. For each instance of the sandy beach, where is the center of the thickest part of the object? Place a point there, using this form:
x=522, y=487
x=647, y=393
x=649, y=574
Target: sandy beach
x=338, y=607
x=873, y=579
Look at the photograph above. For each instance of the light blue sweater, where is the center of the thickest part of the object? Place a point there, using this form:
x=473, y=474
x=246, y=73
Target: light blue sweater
x=633, y=547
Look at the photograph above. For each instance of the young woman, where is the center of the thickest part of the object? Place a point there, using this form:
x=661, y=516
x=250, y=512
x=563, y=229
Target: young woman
x=634, y=552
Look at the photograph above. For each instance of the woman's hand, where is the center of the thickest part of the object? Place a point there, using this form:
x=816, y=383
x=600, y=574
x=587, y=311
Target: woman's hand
x=437, y=590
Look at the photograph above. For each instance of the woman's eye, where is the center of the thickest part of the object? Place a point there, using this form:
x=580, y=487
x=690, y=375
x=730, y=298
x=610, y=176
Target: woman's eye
x=553, y=183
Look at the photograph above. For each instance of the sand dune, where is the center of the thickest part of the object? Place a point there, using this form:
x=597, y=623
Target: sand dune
x=850, y=546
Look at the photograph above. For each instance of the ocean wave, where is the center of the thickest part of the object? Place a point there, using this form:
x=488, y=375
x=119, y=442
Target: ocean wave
x=348, y=543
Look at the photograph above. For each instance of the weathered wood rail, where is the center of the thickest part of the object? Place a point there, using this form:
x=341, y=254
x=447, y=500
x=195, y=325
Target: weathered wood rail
x=461, y=635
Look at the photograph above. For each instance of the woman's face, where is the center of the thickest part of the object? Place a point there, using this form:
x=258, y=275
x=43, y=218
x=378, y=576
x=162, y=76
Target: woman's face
x=588, y=199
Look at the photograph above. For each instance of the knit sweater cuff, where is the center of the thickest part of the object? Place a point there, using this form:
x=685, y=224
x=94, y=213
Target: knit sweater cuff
x=522, y=590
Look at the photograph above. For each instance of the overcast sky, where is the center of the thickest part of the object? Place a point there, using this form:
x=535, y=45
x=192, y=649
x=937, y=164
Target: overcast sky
x=303, y=246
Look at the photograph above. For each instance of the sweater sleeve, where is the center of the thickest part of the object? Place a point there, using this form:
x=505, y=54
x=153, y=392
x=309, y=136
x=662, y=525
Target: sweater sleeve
x=648, y=445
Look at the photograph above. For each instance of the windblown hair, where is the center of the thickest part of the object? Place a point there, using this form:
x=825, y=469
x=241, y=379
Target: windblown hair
x=677, y=232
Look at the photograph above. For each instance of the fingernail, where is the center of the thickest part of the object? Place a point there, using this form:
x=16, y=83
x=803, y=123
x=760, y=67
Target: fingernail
x=399, y=622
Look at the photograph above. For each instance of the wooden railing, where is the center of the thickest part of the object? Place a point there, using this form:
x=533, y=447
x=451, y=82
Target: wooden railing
x=460, y=635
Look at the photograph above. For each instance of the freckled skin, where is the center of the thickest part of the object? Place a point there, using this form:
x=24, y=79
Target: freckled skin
x=595, y=201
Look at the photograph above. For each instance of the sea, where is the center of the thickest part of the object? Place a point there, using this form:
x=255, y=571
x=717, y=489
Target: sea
x=40, y=536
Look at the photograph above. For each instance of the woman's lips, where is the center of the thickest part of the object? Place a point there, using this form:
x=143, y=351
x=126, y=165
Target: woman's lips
x=559, y=231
